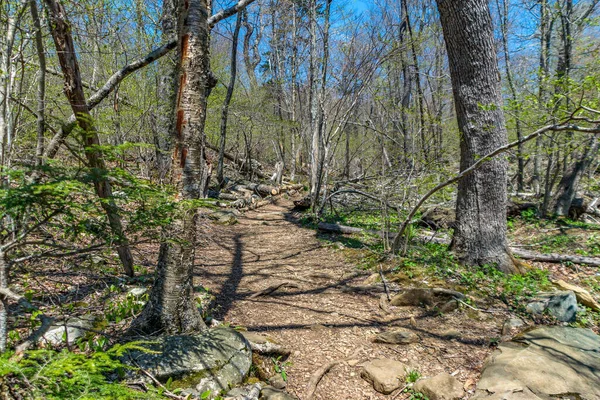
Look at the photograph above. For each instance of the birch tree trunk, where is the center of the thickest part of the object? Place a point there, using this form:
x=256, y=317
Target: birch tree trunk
x=73, y=89
x=480, y=233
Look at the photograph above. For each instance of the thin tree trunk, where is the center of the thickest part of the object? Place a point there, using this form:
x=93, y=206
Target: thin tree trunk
x=314, y=105
x=61, y=33
x=228, y=96
x=480, y=233
x=417, y=79
x=503, y=12
x=41, y=93
x=545, y=37
x=567, y=187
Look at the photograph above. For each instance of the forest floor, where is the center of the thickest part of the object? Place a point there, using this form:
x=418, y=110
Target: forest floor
x=318, y=318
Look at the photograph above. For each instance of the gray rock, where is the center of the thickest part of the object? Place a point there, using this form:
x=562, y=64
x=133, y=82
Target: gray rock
x=71, y=330
x=543, y=363
x=215, y=360
x=384, y=374
x=397, y=336
x=270, y=393
x=277, y=382
x=441, y=387
x=248, y=392
x=511, y=325
x=137, y=292
x=560, y=305
x=223, y=217
x=265, y=344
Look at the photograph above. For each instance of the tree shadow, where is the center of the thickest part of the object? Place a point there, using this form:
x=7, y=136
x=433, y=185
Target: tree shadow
x=228, y=293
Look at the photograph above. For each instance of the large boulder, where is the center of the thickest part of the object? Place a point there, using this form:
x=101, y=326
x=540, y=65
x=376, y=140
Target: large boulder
x=214, y=360
x=441, y=387
x=560, y=305
x=543, y=363
x=384, y=374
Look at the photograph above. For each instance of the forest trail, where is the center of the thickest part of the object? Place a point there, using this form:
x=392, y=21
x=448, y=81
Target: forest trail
x=318, y=320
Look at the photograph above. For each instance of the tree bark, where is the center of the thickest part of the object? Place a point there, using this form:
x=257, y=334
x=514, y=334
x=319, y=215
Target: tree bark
x=480, y=234
x=73, y=89
x=171, y=308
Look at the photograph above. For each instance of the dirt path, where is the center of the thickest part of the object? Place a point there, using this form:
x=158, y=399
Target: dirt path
x=318, y=320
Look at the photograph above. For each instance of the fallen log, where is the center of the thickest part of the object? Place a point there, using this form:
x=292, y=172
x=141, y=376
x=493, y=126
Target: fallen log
x=523, y=254
x=263, y=190
x=241, y=163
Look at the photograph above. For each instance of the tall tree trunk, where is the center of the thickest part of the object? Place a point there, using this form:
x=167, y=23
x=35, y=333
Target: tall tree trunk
x=228, y=96
x=315, y=153
x=417, y=79
x=61, y=33
x=41, y=93
x=480, y=233
x=545, y=37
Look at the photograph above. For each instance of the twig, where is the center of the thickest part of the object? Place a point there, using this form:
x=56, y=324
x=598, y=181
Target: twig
x=385, y=286
x=471, y=307
x=271, y=289
x=166, y=392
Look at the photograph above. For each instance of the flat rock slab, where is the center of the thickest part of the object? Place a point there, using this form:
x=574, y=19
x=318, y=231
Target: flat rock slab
x=215, y=360
x=441, y=387
x=544, y=363
x=384, y=374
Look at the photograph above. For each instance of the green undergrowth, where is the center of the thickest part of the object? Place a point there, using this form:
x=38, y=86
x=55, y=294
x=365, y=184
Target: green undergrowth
x=434, y=261
x=50, y=374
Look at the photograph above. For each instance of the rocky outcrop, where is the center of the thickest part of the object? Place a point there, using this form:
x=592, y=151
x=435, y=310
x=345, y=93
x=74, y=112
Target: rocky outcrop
x=543, y=363
x=215, y=360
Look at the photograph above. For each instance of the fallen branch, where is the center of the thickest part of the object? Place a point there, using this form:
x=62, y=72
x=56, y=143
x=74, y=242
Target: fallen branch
x=272, y=288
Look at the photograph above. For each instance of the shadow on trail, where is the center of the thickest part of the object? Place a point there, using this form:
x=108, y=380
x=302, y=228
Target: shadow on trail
x=228, y=292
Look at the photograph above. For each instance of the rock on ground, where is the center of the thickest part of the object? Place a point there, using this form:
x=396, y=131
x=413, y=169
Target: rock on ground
x=215, y=360
x=70, y=330
x=560, y=305
x=441, y=387
x=397, y=336
x=444, y=299
x=546, y=362
x=384, y=374
x=270, y=393
x=583, y=296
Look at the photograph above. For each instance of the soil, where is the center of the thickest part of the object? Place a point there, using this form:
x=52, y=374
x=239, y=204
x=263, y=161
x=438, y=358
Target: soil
x=318, y=319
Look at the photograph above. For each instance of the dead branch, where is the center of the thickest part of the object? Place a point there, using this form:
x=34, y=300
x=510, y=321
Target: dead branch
x=272, y=288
